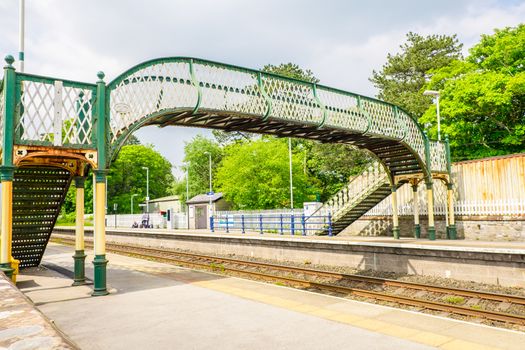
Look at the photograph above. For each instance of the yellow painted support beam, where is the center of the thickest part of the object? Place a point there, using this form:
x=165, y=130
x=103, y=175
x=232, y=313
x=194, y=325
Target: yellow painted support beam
x=6, y=232
x=7, y=222
x=79, y=220
x=100, y=262
x=395, y=214
x=415, y=205
x=430, y=203
x=100, y=218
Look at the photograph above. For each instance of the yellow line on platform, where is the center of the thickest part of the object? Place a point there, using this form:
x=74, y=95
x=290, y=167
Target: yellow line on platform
x=368, y=323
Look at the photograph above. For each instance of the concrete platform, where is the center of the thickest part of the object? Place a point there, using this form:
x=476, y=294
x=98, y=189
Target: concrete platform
x=500, y=263
x=158, y=306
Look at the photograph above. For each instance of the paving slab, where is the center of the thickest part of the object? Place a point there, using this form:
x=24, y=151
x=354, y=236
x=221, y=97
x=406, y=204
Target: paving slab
x=159, y=306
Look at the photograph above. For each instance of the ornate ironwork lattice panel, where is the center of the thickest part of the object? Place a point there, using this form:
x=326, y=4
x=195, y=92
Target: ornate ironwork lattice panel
x=55, y=112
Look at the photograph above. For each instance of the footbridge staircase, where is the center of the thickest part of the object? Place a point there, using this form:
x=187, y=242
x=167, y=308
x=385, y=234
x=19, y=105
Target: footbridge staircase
x=53, y=130
x=361, y=194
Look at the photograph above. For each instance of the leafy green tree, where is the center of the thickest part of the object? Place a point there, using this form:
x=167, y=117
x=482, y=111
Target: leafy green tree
x=255, y=175
x=333, y=164
x=403, y=76
x=69, y=205
x=482, y=103
x=197, y=164
x=127, y=177
x=132, y=140
x=291, y=70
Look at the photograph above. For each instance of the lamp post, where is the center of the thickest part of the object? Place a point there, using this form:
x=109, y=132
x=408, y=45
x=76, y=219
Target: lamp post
x=147, y=188
x=187, y=195
x=188, y=182
x=291, y=176
x=21, y=34
x=209, y=193
x=133, y=195
x=436, y=95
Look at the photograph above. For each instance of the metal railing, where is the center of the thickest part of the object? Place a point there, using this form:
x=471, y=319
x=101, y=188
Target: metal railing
x=293, y=224
x=354, y=192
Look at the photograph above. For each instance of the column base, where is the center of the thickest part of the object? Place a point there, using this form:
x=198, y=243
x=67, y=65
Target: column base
x=417, y=231
x=395, y=232
x=453, y=234
x=80, y=270
x=7, y=269
x=99, y=263
x=432, y=233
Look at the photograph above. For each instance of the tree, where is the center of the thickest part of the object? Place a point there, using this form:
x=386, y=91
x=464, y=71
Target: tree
x=127, y=176
x=333, y=164
x=403, y=76
x=69, y=205
x=132, y=140
x=482, y=101
x=197, y=163
x=255, y=175
x=291, y=70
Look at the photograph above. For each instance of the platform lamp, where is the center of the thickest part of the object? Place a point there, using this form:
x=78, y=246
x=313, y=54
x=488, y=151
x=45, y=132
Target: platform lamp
x=147, y=188
x=436, y=95
x=211, y=191
x=133, y=195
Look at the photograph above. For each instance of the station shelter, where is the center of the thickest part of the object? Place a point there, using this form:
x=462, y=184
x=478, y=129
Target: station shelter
x=202, y=206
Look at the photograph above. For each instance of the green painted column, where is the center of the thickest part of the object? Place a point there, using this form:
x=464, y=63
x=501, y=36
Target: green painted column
x=80, y=256
x=7, y=168
x=100, y=262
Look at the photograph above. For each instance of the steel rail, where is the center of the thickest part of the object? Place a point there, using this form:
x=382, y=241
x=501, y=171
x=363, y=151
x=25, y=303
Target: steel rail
x=433, y=305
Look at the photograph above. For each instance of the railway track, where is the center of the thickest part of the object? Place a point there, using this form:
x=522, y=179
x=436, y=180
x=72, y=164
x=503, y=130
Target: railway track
x=333, y=282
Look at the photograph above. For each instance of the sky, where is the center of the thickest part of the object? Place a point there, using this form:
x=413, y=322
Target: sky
x=342, y=42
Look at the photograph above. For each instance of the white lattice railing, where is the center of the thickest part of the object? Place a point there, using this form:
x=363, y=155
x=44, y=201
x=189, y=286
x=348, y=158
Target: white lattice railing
x=354, y=192
x=438, y=156
x=186, y=85
x=55, y=112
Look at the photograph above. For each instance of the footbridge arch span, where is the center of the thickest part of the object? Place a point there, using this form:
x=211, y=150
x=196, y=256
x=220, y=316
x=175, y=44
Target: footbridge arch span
x=194, y=92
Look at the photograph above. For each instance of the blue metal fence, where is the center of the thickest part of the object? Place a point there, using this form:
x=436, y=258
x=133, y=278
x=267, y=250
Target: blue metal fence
x=293, y=224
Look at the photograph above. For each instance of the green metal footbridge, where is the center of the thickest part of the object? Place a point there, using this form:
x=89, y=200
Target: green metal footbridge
x=54, y=131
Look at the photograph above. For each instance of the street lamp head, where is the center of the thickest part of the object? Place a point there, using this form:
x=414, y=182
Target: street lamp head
x=431, y=93
x=145, y=168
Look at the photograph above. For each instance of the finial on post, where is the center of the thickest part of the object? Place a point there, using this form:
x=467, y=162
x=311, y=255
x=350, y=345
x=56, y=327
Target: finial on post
x=9, y=60
x=101, y=76
x=446, y=138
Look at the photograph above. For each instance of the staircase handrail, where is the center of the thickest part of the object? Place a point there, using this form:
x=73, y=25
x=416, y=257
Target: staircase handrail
x=353, y=191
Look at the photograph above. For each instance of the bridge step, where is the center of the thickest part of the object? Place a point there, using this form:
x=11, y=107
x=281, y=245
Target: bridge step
x=341, y=222
x=38, y=194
